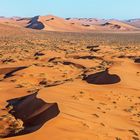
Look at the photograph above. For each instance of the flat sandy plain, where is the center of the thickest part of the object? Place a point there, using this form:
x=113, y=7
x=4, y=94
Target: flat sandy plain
x=90, y=80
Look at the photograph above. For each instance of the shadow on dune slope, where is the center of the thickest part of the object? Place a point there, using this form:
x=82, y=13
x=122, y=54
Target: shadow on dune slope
x=137, y=60
x=8, y=72
x=34, y=112
x=35, y=24
x=102, y=78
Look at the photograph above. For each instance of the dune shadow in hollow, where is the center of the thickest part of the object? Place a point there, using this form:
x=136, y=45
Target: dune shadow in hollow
x=137, y=60
x=34, y=112
x=8, y=72
x=102, y=78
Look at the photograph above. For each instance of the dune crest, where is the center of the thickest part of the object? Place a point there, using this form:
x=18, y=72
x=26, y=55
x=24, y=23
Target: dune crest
x=54, y=23
x=34, y=112
x=118, y=25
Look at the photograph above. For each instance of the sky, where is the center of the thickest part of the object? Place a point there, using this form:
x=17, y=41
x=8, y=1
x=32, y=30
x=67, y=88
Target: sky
x=108, y=9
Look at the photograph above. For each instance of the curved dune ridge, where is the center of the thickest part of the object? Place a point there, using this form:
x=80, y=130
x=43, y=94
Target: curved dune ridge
x=34, y=112
x=53, y=23
x=102, y=78
x=7, y=72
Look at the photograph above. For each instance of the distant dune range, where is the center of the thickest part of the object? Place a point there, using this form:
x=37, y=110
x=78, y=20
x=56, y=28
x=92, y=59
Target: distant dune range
x=53, y=23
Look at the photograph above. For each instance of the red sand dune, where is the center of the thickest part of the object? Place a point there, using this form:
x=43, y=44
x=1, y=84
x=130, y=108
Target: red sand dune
x=34, y=112
x=134, y=22
x=118, y=25
x=54, y=23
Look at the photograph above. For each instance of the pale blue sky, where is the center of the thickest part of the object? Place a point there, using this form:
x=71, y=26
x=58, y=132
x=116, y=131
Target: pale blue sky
x=121, y=9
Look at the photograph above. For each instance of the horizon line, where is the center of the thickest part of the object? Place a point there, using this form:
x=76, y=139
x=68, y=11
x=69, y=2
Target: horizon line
x=2, y=16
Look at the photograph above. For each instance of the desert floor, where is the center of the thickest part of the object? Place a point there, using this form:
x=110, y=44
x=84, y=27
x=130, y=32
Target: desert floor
x=94, y=79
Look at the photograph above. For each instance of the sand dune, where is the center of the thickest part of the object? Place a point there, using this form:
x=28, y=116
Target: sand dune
x=134, y=22
x=15, y=21
x=54, y=23
x=87, y=21
x=36, y=112
x=102, y=24
x=78, y=86
x=118, y=25
x=58, y=24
